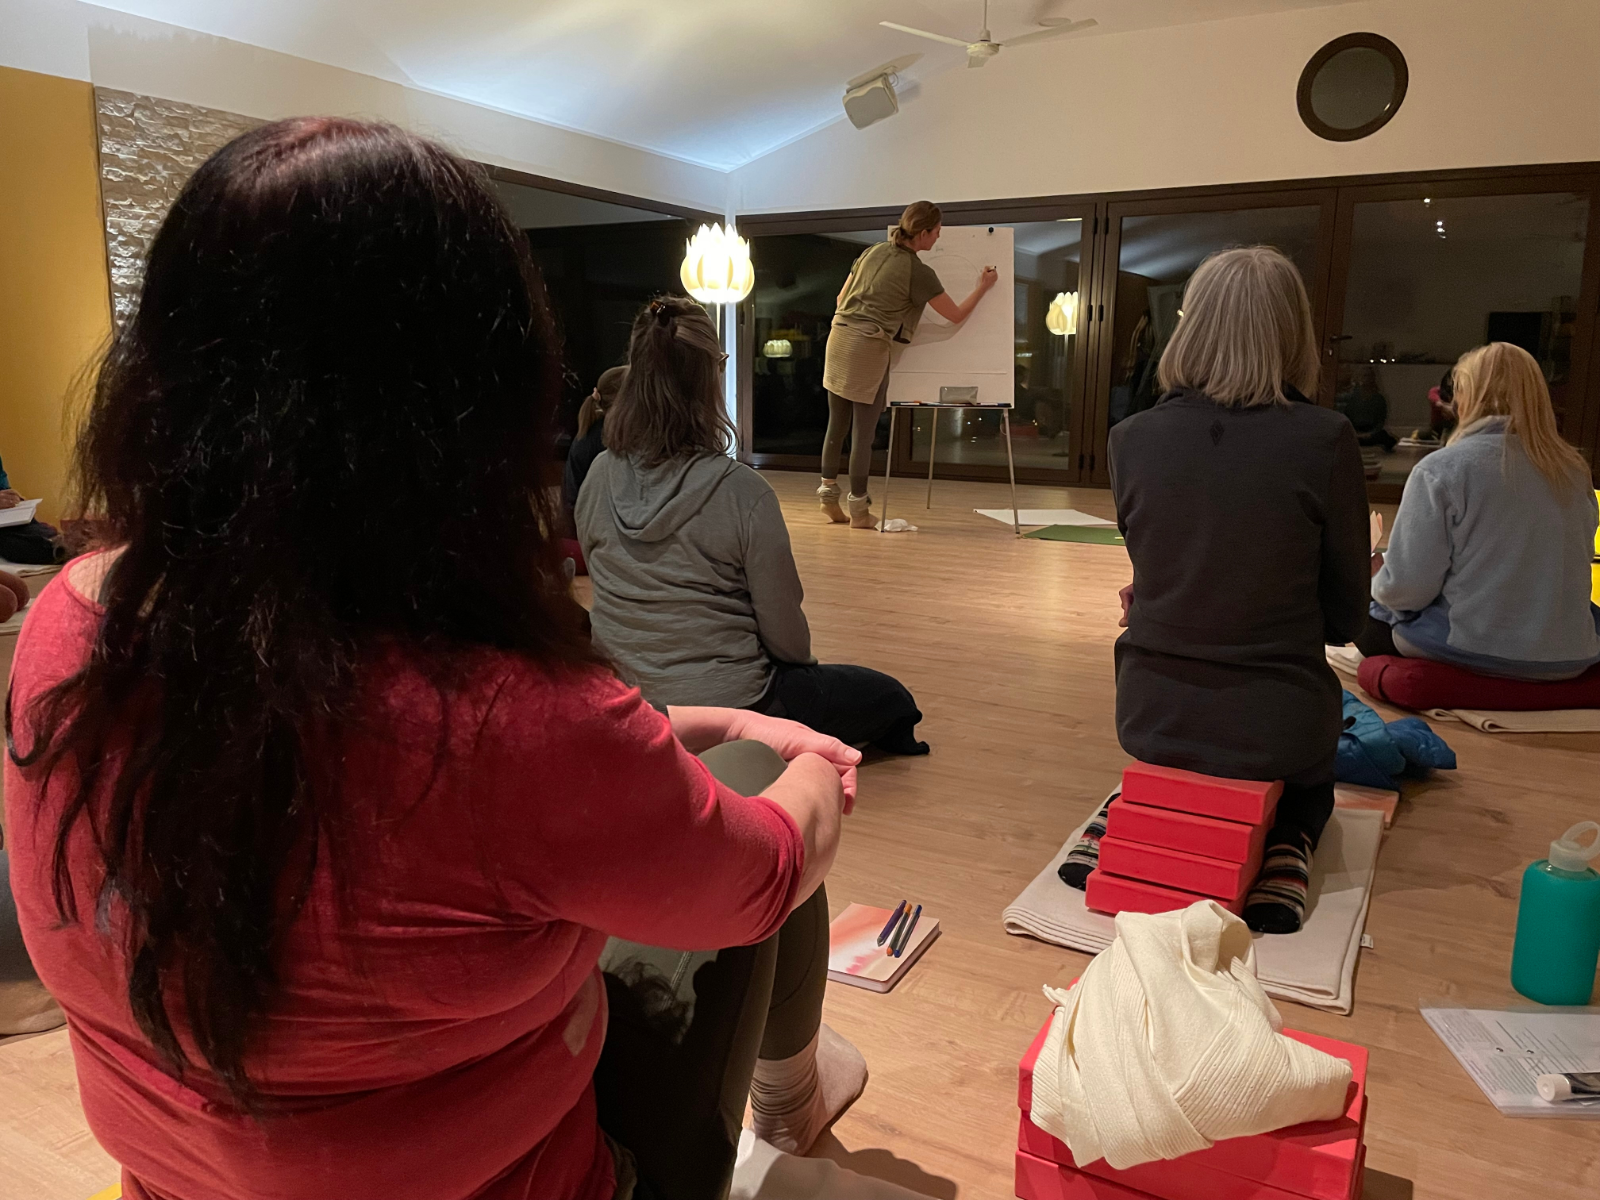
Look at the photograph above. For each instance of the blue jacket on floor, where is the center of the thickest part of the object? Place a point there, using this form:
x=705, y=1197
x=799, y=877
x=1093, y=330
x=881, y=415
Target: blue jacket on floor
x=1376, y=753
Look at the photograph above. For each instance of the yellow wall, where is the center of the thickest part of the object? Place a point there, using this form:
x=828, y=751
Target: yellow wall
x=55, y=312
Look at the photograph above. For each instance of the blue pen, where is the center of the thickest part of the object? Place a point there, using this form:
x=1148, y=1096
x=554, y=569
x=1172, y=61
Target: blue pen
x=905, y=938
x=884, y=936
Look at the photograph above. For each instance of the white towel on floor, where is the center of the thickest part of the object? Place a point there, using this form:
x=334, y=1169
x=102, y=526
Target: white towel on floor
x=1316, y=966
x=1043, y=516
x=1167, y=1044
x=763, y=1172
x=1344, y=659
x=1555, y=720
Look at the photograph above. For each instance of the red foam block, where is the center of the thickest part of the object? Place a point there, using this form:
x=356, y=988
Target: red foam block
x=1038, y=1179
x=1177, y=869
x=1231, y=841
x=1112, y=894
x=1320, y=1160
x=1165, y=1179
x=1249, y=801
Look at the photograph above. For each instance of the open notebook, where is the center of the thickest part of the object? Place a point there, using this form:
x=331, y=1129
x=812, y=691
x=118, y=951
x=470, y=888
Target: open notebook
x=854, y=956
x=19, y=514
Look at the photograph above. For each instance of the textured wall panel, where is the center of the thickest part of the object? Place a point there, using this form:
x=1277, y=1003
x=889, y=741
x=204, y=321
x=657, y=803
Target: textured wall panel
x=148, y=149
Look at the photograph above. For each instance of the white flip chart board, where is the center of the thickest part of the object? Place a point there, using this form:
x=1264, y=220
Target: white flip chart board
x=980, y=352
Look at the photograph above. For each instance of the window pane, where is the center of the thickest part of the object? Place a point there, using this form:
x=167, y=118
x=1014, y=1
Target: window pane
x=1157, y=256
x=1048, y=257
x=1432, y=278
x=798, y=277
x=600, y=263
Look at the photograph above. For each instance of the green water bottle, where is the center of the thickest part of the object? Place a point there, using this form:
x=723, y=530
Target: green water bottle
x=1558, y=922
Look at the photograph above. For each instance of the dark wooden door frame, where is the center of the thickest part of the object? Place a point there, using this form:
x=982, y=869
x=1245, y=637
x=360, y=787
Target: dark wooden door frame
x=1322, y=198
x=1337, y=196
x=1081, y=419
x=547, y=184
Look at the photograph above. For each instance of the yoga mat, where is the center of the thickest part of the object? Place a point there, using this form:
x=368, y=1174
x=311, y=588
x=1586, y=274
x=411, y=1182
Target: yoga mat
x=1344, y=659
x=1104, y=535
x=1315, y=967
x=1043, y=516
x=1555, y=720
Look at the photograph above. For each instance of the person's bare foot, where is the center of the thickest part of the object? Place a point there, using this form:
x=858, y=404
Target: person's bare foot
x=828, y=497
x=861, y=512
x=793, y=1101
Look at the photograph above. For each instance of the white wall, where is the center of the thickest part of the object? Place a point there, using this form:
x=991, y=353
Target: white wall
x=1493, y=82
x=111, y=49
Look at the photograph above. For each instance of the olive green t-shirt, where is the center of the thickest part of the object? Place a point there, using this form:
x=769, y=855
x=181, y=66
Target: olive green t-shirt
x=888, y=289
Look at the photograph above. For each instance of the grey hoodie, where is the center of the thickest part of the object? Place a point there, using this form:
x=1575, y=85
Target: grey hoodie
x=695, y=588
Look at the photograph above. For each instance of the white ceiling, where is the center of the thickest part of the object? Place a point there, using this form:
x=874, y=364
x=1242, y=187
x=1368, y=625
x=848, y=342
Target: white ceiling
x=713, y=82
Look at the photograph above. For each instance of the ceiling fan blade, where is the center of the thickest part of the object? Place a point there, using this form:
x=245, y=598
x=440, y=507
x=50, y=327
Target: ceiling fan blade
x=977, y=60
x=1044, y=35
x=923, y=33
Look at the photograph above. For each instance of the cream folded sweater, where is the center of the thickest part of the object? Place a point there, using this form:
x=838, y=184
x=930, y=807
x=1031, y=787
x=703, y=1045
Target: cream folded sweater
x=1167, y=1044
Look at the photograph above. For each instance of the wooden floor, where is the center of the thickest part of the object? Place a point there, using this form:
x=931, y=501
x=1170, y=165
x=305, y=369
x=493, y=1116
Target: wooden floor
x=1007, y=646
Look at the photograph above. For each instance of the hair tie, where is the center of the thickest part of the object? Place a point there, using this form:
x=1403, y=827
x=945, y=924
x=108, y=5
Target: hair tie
x=661, y=312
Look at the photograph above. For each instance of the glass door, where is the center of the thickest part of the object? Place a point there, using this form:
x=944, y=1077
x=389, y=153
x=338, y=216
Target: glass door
x=784, y=331
x=1053, y=287
x=1151, y=250
x=1427, y=272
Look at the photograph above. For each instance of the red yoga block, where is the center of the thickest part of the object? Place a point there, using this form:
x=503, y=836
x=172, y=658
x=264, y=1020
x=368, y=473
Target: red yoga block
x=1176, y=869
x=1166, y=1179
x=1038, y=1179
x=1108, y=893
x=1230, y=841
x=1249, y=801
x=1320, y=1160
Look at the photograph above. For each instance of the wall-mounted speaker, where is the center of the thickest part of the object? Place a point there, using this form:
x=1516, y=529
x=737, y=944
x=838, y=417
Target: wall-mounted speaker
x=871, y=101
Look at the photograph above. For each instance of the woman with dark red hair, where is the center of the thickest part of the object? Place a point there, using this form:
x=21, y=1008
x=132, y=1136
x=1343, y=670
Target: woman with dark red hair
x=322, y=808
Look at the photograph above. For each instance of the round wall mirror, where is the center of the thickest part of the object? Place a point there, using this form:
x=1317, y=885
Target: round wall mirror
x=1352, y=87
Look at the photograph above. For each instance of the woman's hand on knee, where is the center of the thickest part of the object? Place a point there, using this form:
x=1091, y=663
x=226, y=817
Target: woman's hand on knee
x=811, y=792
x=701, y=728
x=792, y=739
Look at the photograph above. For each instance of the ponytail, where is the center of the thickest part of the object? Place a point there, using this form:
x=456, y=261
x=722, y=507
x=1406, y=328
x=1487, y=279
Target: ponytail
x=919, y=217
x=670, y=406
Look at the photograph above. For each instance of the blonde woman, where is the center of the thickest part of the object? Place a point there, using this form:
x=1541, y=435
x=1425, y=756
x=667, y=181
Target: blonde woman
x=1245, y=512
x=1488, y=562
x=880, y=305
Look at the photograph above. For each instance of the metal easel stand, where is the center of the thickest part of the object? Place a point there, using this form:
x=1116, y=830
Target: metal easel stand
x=888, y=466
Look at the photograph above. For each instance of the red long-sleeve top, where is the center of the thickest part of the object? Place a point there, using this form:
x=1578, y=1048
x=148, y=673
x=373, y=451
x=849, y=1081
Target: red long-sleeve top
x=438, y=1023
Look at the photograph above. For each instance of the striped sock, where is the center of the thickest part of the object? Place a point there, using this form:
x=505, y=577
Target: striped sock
x=1085, y=856
x=1277, y=902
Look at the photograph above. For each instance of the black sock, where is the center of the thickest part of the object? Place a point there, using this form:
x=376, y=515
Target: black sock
x=1085, y=856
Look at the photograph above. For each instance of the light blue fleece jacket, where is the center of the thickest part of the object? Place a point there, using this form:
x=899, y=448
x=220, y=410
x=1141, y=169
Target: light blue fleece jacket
x=1487, y=568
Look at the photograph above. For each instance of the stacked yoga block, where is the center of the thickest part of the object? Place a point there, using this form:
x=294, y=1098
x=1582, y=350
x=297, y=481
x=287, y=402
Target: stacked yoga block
x=1174, y=837
x=1318, y=1161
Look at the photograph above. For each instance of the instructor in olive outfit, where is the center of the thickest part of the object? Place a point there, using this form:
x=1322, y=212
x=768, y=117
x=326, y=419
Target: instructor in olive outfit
x=879, y=306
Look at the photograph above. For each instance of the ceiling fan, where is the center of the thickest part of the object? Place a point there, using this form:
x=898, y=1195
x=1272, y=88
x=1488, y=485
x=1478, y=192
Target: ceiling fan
x=985, y=48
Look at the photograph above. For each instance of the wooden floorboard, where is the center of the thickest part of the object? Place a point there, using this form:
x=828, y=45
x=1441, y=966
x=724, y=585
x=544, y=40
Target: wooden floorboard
x=1007, y=645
